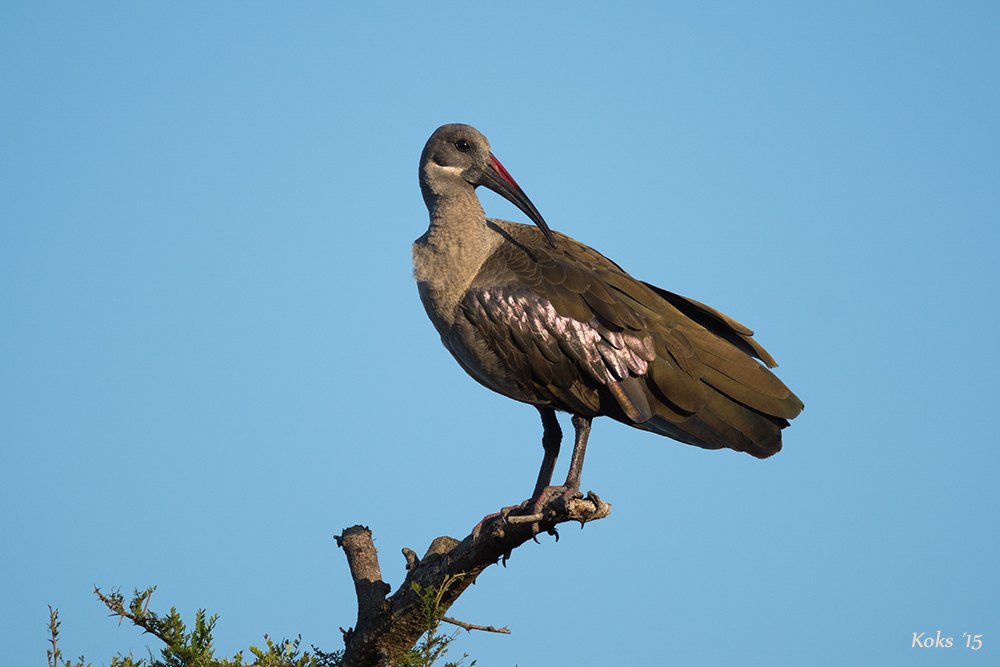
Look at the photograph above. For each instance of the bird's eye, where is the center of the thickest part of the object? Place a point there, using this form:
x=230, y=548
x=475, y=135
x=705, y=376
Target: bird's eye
x=462, y=145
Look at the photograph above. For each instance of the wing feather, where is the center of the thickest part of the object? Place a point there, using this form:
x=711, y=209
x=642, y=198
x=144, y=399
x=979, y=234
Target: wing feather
x=579, y=334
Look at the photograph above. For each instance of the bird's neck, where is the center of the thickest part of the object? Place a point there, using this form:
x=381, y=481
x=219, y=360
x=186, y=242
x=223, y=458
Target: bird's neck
x=453, y=249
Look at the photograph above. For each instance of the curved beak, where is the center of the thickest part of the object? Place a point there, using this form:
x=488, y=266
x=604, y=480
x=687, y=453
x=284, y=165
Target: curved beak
x=496, y=178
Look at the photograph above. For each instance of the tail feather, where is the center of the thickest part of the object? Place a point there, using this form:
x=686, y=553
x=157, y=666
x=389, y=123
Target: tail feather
x=722, y=423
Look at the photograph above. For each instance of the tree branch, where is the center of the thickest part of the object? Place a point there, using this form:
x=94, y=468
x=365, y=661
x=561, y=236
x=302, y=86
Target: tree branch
x=388, y=627
x=473, y=626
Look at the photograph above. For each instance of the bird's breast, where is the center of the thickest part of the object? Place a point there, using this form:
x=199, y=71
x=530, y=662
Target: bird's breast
x=473, y=352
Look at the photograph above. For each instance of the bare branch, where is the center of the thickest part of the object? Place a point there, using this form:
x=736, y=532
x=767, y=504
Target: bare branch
x=471, y=626
x=388, y=627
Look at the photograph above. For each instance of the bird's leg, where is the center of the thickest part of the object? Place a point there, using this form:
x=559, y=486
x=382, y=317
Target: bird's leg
x=582, y=426
x=551, y=439
x=537, y=509
x=545, y=494
x=571, y=489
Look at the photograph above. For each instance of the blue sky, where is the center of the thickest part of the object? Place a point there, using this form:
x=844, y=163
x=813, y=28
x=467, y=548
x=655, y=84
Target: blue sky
x=213, y=357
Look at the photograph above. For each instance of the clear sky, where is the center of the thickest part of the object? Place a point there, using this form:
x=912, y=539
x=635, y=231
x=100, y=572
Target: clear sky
x=213, y=357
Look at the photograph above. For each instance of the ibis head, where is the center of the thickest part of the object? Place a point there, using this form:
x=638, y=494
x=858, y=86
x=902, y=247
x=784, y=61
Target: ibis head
x=458, y=156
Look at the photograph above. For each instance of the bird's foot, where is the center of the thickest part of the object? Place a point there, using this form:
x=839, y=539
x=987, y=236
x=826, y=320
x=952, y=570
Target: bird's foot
x=551, y=501
x=554, y=504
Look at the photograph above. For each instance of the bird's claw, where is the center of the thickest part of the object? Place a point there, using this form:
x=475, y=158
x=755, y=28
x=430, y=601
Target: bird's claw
x=551, y=501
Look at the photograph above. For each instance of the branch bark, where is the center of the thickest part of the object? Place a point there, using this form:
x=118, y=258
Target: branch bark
x=388, y=627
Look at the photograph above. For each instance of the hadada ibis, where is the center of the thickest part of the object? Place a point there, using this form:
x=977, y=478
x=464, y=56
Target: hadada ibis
x=541, y=318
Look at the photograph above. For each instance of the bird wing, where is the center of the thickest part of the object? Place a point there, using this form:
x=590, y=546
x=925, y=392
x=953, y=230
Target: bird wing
x=586, y=337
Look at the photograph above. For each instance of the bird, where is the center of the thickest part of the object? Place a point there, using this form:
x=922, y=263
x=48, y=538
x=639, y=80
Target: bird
x=541, y=318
